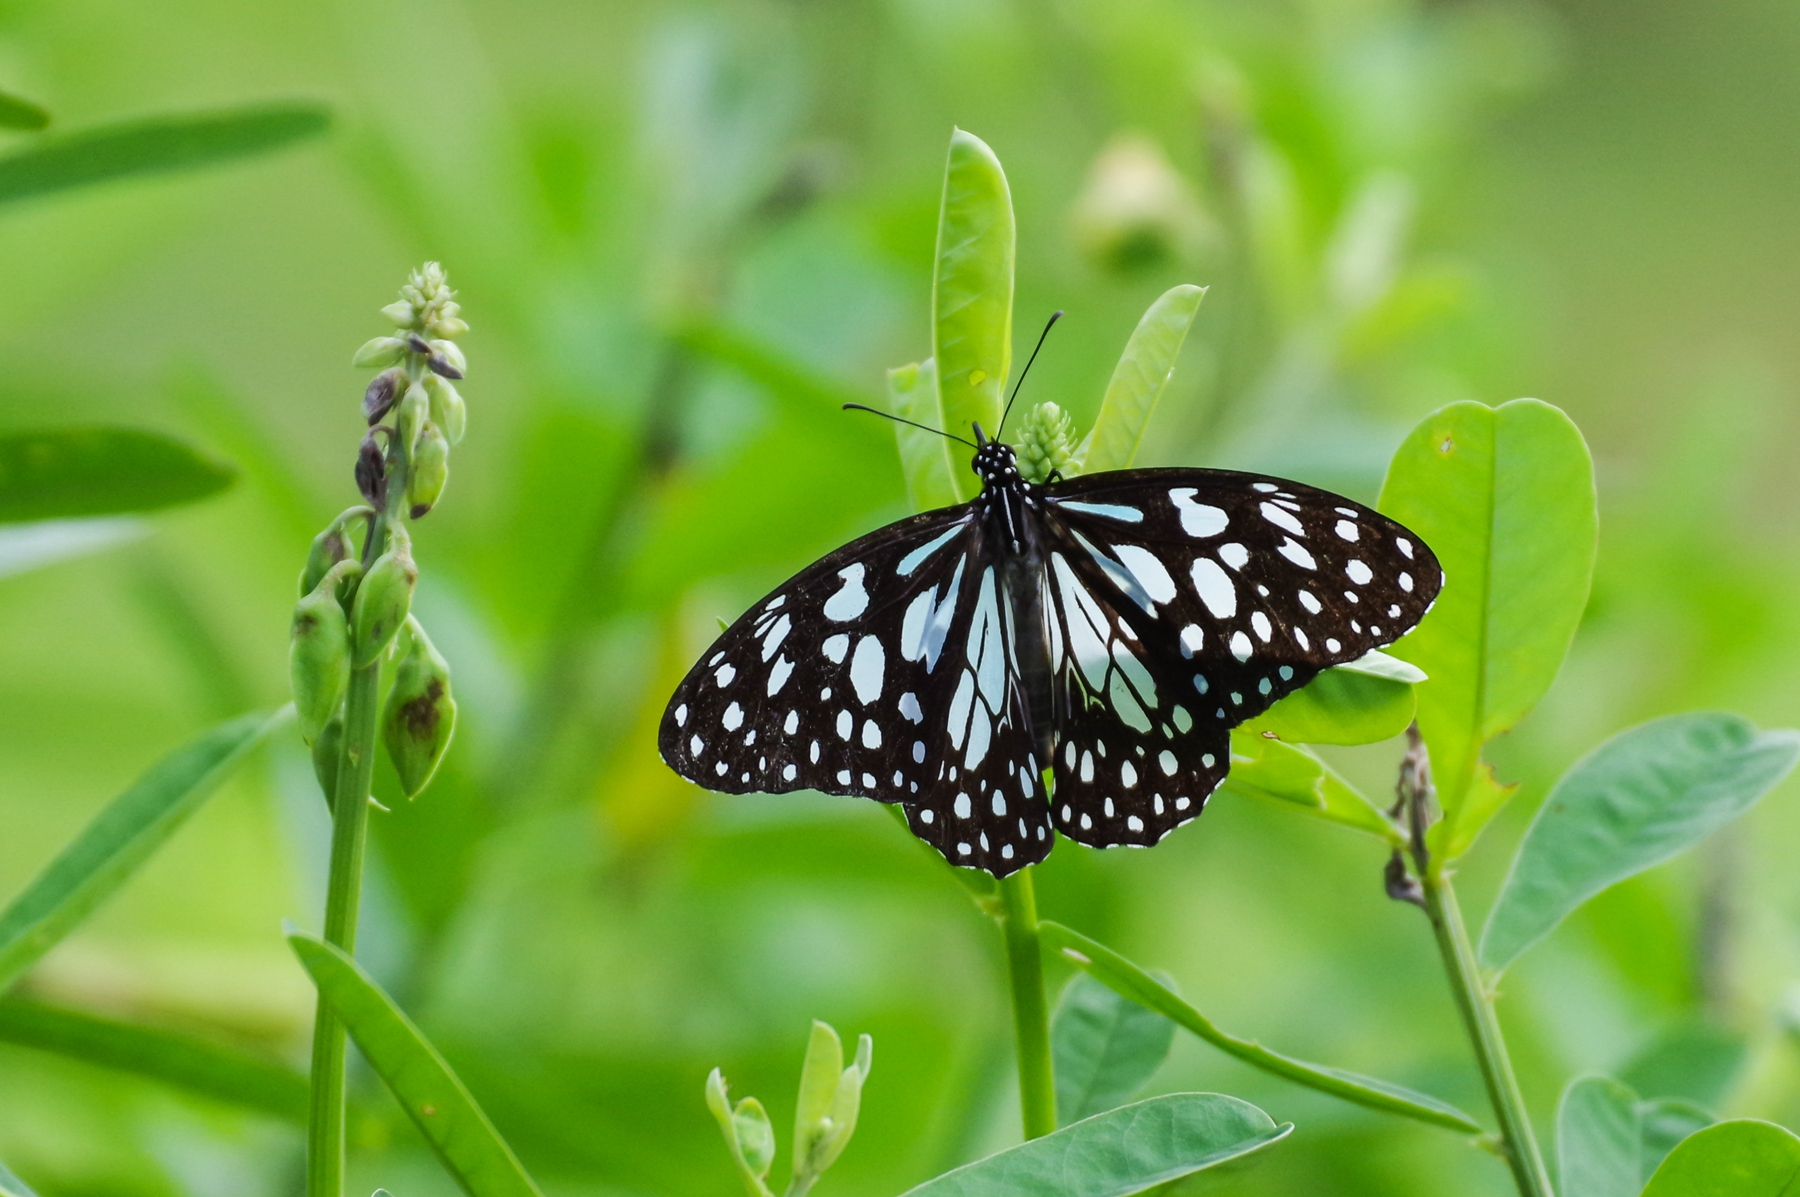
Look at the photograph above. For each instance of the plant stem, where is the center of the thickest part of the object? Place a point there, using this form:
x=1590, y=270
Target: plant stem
x=1031, y=1015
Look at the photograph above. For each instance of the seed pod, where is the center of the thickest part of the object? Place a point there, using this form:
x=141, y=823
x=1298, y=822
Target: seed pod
x=382, y=392
x=328, y=548
x=326, y=750
x=420, y=715
x=413, y=412
x=371, y=472
x=447, y=410
x=319, y=651
x=430, y=470
x=381, y=351
x=383, y=600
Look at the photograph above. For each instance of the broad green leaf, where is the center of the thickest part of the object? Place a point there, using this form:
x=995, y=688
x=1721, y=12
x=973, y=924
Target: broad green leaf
x=1505, y=498
x=12, y=1186
x=1340, y=706
x=1123, y=1151
x=153, y=146
x=1128, y=980
x=929, y=462
x=16, y=112
x=459, y=1132
x=1598, y=1139
x=1286, y=773
x=111, y=848
x=101, y=471
x=1139, y=379
x=1637, y=800
x=1740, y=1158
x=1106, y=1048
x=972, y=293
x=183, y=1061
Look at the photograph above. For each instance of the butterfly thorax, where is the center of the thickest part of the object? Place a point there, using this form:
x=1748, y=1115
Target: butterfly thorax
x=1008, y=506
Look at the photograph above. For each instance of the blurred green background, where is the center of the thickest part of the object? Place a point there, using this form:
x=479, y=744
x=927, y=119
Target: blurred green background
x=684, y=233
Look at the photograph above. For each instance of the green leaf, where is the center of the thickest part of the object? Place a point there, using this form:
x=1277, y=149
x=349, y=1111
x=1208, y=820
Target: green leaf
x=1340, y=706
x=1505, y=498
x=1740, y=1158
x=1694, y=1060
x=1662, y=1126
x=112, y=847
x=1128, y=980
x=1139, y=380
x=972, y=293
x=819, y=1074
x=927, y=460
x=183, y=1061
x=16, y=112
x=12, y=1186
x=1123, y=1151
x=1286, y=773
x=1637, y=800
x=101, y=471
x=1598, y=1139
x=1105, y=1049
x=25, y=547
x=153, y=146
x=465, y=1141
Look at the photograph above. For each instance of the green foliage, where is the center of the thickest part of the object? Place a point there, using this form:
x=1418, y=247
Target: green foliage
x=1124, y=1151
x=12, y=1186
x=1741, y=1158
x=1139, y=380
x=825, y=1114
x=16, y=112
x=101, y=471
x=115, y=845
x=1340, y=706
x=1505, y=497
x=1267, y=768
x=1106, y=1048
x=972, y=294
x=929, y=462
x=434, y=1098
x=1609, y=1143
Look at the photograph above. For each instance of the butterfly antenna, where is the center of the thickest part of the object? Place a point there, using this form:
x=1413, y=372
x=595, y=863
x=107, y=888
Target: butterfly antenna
x=903, y=420
x=1050, y=324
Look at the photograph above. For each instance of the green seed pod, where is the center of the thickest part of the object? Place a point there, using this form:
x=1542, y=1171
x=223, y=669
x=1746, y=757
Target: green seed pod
x=430, y=470
x=420, y=715
x=383, y=600
x=381, y=351
x=326, y=749
x=447, y=410
x=414, y=410
x=319, y=651
x=328, y=548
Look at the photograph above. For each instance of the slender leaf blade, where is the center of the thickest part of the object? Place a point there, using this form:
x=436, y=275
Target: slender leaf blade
x=927, y=461
x=1123, y=1151
x=1640, y=798
x=434, y=1098
x=1505, y=497
x=1105, y=1049
x=1273, y=771
x=60, y=473
x=972, y=293
x=182, y=1061
x=1139, y=380
x=154, y=145
x=12, y=1186
x=16, y=112
x=1740, y=1158
x=1598, y=1139
x=1340, y=706
x=1130, y=981
x=110, y=849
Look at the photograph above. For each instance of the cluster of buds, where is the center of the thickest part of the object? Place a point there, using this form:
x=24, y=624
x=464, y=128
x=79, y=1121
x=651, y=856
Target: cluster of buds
x=355, y=608
x=824, y=1117
x=1047, y=445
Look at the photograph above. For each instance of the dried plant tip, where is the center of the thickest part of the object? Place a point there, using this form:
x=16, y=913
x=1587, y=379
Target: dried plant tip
x=1400, y=885
x=420, y=715
x=443, y=368
x=371, y=473
x=378, y=400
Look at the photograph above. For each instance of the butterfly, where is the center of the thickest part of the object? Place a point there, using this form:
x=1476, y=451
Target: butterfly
x=1106, y=630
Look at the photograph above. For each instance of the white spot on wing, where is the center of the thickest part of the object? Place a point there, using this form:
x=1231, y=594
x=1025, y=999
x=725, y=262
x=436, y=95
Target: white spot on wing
x=1260, y=623
x=1297, y=554
x=1192, y=639
x=777, y=633
x=1359, y=573
x=1346, y=530
x=917, y=557
x=909, y=707
x=733, y=717
x=1281, y=519
x=1215, y=588
x=725, y=675
x=867, y=669
x=1111, y=511
x=1235, y=555
x=681, y=715
x=1198, y=520
x=1240, y=646
x=778, y=676
x=846, y=723
x=1149, y=572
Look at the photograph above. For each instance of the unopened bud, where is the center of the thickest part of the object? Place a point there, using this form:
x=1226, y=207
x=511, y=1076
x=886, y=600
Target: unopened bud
x=401, y=312
x=319, y=651
x=383, y=600
x=430, y=470
x=327, y=748
x=381, y=351
x=328, y=548
x=1046, y=444
x=414, y=410
x=371, y=473
x=448, y=327
x=452, y=355
x=447, y=410
x=382, y=392
x=420, y=716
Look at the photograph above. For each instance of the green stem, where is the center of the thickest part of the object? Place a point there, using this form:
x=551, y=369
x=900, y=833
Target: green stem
x=1031, y=1014
x=1477, y=1006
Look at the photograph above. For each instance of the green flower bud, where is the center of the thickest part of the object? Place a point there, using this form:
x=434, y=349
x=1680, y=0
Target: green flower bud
x=1046, y=444
x=430, y=470
x=327, y=748
x=448, y=327
x=381, y=351
x=452, y=353
x=401, y=312
x=447, y=410
x=383, y=600
x=749, y=1135
x=328, y=548
x=319, y=651
x=420, y=715
x=414, y=409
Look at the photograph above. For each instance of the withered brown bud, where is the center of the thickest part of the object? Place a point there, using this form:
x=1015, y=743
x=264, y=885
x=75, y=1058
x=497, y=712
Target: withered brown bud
x=417, y=344
x=371, y=473
x=382, y=392
x=442, y=368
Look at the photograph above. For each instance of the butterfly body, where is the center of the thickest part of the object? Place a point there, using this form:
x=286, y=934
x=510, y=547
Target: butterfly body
x=1102, y=633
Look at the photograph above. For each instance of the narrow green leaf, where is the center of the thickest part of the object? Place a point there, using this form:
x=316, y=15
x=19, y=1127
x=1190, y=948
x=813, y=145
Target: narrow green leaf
x=819, y=1074
x=1740, y=1158
x=1130, y=981
x=1340, y=706
x=1287, y=773
x=12, y=1186
x=183, y=1061
x=1598, y=1139
x=16, y=112
x=434, y=1098
x=1105, y=1048
x=1637, y=800
x=153, y=146
x=120, y=839
x=928, y=461
x=1505, y=498
x=1123, y=1151
x=972, y=293
x=101, y=471
x=1139, y=380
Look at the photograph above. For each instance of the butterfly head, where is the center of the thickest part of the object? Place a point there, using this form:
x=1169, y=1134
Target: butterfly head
x=994, y=461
